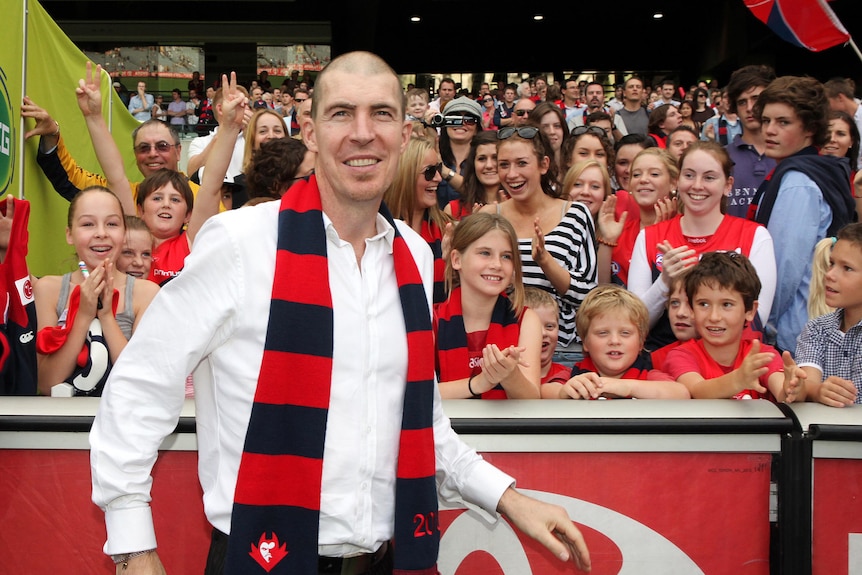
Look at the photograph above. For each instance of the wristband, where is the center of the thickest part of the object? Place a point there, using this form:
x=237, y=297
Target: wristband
x=126, y=557
x=470, y=386
x=57, y=133
x=607, y=243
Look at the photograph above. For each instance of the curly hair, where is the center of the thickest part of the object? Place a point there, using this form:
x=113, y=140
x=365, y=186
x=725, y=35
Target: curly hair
x=807, y=98
x=273, y=167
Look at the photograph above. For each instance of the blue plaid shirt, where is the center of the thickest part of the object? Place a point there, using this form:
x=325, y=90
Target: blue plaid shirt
x=824, y=346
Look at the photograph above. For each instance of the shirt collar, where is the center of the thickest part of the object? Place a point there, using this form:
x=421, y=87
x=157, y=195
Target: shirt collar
x=385, y=232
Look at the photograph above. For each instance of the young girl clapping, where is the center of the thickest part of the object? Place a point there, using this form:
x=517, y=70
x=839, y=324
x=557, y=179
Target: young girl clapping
x=488, y=344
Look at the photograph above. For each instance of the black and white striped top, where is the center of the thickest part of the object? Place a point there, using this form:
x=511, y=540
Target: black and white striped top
x=573, y=244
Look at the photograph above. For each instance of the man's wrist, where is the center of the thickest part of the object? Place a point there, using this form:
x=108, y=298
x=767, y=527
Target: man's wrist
x=124, y=558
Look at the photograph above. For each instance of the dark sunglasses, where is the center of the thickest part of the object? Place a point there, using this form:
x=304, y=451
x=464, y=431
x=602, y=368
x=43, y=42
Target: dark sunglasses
x=526, y=132
x=579, y=130
x=486, y=100
x=521, y=112
x=467, y=121
x=431, y=171
x=300, y=100
x=159, y=146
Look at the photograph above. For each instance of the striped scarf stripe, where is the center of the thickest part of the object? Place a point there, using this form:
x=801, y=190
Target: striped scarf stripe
x=275, y=520
x=432, y=234
x=453, y=357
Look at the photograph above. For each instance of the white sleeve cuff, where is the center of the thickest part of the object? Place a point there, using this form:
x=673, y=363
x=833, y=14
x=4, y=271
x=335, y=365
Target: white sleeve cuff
x=485, y=487
x=129, y=530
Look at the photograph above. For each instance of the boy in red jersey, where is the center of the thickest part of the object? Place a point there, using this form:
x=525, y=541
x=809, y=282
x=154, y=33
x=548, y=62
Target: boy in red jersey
x=727, y=360
x=612, y=322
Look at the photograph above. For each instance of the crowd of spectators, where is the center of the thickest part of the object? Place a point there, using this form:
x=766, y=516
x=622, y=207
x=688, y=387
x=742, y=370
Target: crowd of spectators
x=613, y=207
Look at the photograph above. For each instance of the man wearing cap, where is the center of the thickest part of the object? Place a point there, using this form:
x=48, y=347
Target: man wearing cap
x=141, y=104
x=122, y=92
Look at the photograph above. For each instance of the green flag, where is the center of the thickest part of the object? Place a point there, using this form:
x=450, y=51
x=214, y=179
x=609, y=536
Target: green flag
x=39, y=61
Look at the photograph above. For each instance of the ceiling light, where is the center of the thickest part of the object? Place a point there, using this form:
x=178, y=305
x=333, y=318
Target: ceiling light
x=657, y=16
x=538, y=17
x=415, y=19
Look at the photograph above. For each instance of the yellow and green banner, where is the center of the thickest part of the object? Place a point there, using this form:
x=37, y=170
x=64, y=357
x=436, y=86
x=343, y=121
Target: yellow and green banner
x=39, y=61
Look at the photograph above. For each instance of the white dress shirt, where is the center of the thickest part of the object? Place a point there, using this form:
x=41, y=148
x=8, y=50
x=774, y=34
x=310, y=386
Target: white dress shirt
x=212, y=320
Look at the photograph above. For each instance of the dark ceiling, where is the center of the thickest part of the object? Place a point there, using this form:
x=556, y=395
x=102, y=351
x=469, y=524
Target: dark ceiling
x=696, y=38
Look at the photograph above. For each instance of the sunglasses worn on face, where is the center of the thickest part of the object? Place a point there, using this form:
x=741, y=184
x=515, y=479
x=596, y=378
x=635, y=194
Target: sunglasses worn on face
x=589, y=130
x=486, y=100
x=464, y=120
x=300, y=100
x=159, y=146
x=521, y=112
x=431, y=171
x=527, y=132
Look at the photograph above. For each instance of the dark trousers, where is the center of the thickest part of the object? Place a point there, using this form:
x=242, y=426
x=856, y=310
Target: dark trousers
x=325, y=565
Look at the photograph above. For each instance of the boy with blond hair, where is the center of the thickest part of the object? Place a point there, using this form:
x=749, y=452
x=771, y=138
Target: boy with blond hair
x=417, y=104
x=612, y=323
x=829, y=349
x=728, y=360
x=548, y=310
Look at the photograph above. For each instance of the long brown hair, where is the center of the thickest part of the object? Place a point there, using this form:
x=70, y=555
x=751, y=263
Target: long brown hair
x=471, y=229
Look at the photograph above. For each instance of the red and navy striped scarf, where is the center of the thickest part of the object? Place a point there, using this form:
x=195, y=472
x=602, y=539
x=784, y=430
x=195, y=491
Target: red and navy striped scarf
x=432, y=234
x=453, y=356
x=275, y=520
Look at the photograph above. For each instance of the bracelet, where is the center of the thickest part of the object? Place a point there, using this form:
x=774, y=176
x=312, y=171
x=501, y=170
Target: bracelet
x=607, y=243
x=126, y=557
x=57, y=133
x=470, y=386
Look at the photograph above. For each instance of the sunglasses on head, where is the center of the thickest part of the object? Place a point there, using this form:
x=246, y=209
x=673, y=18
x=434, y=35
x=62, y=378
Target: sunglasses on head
x=159, y=146
x=431, y=171
x=579, y=130
x=527, y=132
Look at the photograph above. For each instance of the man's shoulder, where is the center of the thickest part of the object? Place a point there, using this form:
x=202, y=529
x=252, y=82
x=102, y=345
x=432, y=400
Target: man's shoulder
x=254, y=224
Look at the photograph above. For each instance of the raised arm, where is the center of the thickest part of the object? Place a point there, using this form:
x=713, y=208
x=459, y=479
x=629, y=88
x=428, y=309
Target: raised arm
x=90, y=102
x=209, y=195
